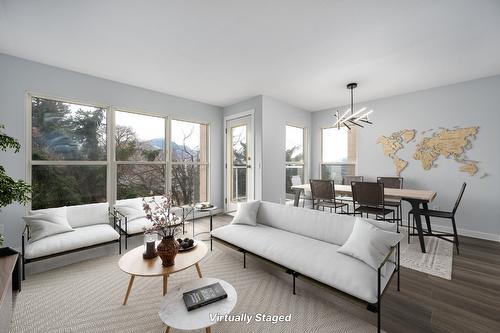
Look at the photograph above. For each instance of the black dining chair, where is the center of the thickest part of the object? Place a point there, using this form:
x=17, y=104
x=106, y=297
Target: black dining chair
x=442, y=215
x=369, y=197
x=393, y=182
x=347, y=180
x=323, y=195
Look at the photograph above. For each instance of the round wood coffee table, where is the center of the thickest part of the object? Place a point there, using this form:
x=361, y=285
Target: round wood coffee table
x=132, y=263
x=174, y=313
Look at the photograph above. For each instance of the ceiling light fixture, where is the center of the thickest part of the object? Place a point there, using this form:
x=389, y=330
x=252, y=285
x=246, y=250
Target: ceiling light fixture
x=354, y=118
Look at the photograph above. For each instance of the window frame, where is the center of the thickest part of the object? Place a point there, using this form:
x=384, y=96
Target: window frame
x=165, y=162
x=351, y=145
x=305, y=154
x=29, y=141
x=110, y=162
x=208, y=153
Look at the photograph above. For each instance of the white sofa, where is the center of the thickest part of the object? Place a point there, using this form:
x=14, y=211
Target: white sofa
x=132, y=219
x=92, y=227
x=305, y=242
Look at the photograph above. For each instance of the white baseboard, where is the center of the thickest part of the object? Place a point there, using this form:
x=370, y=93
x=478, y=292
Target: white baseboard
x=465, y=232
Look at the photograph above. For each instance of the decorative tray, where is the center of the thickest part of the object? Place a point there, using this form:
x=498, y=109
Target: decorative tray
x=184, y=249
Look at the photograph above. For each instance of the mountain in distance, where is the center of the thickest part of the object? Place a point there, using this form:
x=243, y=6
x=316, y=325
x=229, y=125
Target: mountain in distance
x=177, y=150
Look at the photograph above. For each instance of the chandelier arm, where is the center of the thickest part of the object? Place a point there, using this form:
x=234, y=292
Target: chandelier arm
x=355, y=123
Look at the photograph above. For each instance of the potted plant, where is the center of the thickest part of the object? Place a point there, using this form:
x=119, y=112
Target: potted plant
x=165, y=224
x=10, y=189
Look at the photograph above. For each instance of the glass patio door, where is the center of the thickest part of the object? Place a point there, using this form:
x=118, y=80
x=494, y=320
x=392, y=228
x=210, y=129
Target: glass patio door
x=239, y=162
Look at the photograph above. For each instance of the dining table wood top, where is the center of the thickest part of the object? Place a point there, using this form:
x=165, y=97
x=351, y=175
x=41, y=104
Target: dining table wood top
x=392, y=193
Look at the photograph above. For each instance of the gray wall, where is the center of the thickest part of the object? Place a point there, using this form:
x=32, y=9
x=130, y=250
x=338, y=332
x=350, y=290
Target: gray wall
x=271, y=117
x=254, y=103
x=472, y=103
x=275, y=116
x=19, y=76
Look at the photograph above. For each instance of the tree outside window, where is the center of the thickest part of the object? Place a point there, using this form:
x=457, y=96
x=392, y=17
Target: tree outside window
x=189, y=172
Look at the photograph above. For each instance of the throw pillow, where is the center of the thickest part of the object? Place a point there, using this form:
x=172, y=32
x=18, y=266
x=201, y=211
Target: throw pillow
x=131, y=208
x=47, y=222
x=369, y=243
x=247, y=213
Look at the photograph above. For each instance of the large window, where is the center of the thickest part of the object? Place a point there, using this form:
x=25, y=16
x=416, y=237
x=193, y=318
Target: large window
x=68, y=153
x=79, y=156
x=338, y=153
x=140, y=155
x=295, y=160
x=189, y=152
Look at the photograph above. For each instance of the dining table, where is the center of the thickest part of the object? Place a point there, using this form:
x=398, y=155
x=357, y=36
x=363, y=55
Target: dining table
x=418, y=199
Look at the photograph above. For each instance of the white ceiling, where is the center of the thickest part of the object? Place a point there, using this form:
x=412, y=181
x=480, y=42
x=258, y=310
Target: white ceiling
x=223, y=51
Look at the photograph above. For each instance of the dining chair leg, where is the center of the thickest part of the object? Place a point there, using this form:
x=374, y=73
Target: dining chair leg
x=401, y=213
x=455, y=233
x=409, y=226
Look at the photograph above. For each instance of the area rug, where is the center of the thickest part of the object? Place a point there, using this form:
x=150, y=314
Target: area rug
x=437, y=260
x=87, y=297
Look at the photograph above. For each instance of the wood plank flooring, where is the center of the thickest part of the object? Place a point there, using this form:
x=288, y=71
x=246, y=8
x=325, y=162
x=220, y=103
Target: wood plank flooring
x=470, y=302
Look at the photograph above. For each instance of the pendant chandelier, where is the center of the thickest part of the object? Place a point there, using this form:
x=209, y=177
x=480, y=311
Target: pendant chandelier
x=351, y=118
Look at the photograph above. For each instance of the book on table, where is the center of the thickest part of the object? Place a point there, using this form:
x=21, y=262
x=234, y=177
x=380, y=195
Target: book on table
x=203, y=296
x=204, y=205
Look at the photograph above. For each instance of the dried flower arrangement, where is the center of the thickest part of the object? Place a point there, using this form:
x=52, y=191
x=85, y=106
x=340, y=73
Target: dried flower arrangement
x=165, y=222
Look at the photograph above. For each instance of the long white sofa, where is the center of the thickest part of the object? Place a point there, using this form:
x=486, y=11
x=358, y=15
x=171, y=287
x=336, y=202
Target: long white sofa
x=305, y=242
x=93, y=226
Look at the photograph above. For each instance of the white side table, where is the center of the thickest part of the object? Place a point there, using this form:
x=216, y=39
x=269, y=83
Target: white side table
x=211, y=212
x=173, y=311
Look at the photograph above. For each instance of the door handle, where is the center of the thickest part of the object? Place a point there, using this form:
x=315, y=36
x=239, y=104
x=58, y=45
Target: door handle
x=249, y=166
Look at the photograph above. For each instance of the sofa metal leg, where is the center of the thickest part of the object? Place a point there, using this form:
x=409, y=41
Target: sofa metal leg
x=294, y=276
x=244, y=259
x=211, y=243
x=378, y=300
x=120, y=245
x=24, y=269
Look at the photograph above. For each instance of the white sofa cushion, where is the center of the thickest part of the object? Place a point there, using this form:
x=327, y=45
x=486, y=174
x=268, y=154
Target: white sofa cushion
x=47, y=222
x=323, y=226
x=80, y=237
x=315, y=259
x=136, y=225
x=85, y=215
x=131, y=208
x=247, y=213
x=369, y=243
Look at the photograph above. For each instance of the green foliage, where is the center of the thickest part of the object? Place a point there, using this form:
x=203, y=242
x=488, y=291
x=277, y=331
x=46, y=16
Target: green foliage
x=7, y=142
x=64, y=131
x=10, y=189
x=151, y=154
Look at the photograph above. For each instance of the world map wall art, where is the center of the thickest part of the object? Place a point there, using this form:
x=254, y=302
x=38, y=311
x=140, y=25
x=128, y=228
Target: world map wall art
x=443, y=142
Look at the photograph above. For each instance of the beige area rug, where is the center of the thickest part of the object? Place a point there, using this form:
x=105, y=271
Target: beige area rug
x=87, y=297
x=437, y=260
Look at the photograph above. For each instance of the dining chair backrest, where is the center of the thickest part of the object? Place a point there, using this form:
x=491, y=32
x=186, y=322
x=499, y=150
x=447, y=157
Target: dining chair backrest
x=347, y=180
x=368, y=193
x=296, y=180
x=462, y=190
x=391, y=182
x=322, y=189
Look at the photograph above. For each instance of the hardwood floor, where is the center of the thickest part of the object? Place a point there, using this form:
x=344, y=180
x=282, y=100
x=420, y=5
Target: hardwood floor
x=470, y=302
